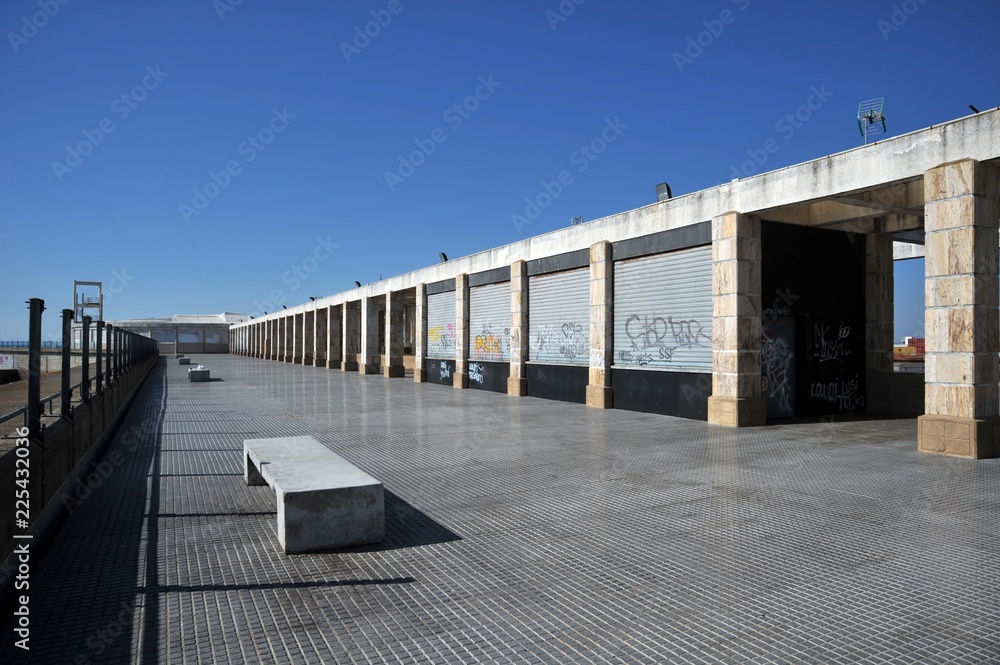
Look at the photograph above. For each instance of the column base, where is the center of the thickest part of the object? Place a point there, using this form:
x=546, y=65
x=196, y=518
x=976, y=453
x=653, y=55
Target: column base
x=460, y=380
x=369, y=368
x=517, y=386
x=349, y=366
x=393, y=371
x=420, y=376
x=600, y=397
x=972, y=438
x=737, y=411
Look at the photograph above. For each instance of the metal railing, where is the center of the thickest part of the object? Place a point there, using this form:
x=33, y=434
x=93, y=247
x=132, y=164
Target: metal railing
x=21, y=344
x=124, y=351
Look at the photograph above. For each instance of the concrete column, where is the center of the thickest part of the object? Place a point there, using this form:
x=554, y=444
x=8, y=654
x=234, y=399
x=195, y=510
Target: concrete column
x=420, y=335
x=879, y=301
x=352, y=341
x=288, y=337
x=961, y=397
x=393, y=335
x=602, y=325
x=272, y=339
x=370, y=352
x=308, y=319
x=320, y=328
x=517, y=384
x=461, y=378
x=736, y=328
x=334, y=335
x=296, y=338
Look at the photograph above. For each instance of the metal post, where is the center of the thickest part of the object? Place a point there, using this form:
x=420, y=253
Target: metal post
x=100, y=346
x=85, y=381
x=65, y=406
x=111, y=353
x=35, y=306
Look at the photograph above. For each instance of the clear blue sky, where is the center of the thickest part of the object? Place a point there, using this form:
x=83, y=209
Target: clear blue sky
x=205, y=88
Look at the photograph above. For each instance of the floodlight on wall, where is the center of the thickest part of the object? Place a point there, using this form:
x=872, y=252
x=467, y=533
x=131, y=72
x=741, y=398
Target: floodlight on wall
x=443, y=257
x=871, y=119
x=312, y=298
x=357, y=284
x=663, y=192
x=283, y=307
x=974, y=109
x=576, y=221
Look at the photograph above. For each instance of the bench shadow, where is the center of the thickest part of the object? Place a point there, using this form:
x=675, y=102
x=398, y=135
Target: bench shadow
x=406, y=526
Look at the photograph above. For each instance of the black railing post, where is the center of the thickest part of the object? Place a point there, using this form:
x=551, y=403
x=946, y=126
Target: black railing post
x=35, y=306
x=111, y=353
x=100, y=367
x=66, y=394
x=85, y=381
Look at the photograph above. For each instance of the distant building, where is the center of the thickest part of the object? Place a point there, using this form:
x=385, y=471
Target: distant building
x=187, y=333
x=909, y=356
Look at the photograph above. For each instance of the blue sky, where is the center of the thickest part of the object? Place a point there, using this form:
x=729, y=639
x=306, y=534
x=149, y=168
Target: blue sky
x=200, y=156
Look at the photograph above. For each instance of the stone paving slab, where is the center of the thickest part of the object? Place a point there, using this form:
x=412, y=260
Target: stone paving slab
x=518, y=530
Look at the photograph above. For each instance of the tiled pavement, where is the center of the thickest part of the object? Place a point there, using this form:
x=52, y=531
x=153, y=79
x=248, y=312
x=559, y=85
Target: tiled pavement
x=519, y=530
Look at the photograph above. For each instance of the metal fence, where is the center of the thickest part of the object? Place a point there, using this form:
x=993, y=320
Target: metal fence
x=115, y=351
x=21, y=344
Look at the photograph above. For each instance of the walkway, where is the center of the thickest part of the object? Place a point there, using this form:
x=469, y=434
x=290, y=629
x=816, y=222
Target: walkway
x=519, y=530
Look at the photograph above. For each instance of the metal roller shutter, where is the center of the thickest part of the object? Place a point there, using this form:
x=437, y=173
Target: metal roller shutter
x=663, y=311
x=441, y=326
x=489, y=322
x=559, y=318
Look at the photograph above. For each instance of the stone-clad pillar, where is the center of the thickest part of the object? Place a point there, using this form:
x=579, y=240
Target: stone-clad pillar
x=602, y=325
x=286, y=339
x=370, y=351
x=517, y=384
x=320, y=329
x=736, y=398
x=393, y=335
x=461, y=378
x=961, y=398
x=352, y=325
x=420, y=336
x=334, y=335
x=879, y=301
x=308, y=340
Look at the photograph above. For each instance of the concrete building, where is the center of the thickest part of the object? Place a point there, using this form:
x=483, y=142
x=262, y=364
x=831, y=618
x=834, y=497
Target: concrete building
x=187, y=333
x=767, y=297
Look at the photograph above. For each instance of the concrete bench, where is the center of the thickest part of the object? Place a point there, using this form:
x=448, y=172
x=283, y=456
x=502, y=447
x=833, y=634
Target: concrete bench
x=183, y=361
x=199, y=374
x=324, y=501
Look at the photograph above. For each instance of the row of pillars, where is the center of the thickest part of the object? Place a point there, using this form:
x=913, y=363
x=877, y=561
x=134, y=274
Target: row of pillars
x=962, y=398
x=124, y=350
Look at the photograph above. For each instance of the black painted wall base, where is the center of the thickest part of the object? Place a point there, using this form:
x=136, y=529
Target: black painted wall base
x=490, y=376
x=560, y=382
x=440, y=372
x=680, y=394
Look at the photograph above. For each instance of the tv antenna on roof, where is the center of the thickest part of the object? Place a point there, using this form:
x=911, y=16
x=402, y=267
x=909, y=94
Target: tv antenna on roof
x=871, y=117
